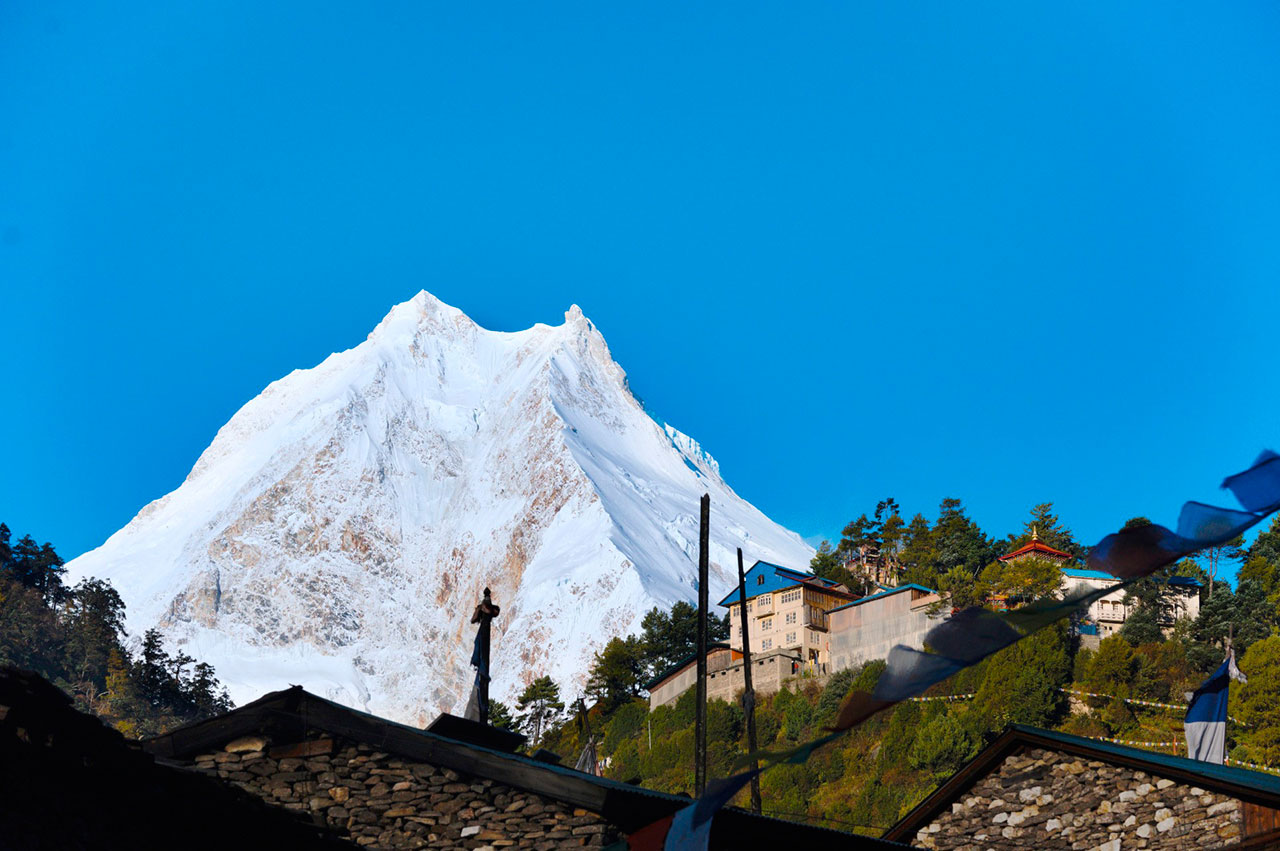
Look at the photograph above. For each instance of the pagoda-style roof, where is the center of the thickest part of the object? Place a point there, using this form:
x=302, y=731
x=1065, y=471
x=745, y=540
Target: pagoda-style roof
x=1038, y=549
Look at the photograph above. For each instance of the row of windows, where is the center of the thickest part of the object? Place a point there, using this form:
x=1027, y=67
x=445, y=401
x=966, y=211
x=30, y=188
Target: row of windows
x=791, y=596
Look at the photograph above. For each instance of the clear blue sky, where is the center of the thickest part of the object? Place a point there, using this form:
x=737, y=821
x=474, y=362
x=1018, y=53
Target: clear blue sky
x=1008, y=252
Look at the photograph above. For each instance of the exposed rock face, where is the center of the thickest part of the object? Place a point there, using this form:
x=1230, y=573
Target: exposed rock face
x=340, y=528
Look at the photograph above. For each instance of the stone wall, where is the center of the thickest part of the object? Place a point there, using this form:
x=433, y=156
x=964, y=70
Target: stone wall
x=670, y=689
x=768, y=672
x=1044, y=799
x=380, y=801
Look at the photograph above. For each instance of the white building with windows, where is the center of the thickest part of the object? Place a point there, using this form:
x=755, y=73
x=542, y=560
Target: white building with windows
x=1108, y=614
x=787, y=611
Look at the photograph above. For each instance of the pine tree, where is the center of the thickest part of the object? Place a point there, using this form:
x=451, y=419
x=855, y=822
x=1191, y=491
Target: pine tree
x=1049, y=529
x=824, y=561
x=668, y=638
x=918, y=555
x=541, y=706
x=37, y=566
x=93, y=621
x=1257, y=703
x=959, y=541
x=500, y=716
x=1216, y=558
x=615, y=674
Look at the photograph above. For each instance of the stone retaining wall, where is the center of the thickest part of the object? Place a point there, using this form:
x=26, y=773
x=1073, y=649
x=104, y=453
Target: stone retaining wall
x=380, y=801
x=1044, y=799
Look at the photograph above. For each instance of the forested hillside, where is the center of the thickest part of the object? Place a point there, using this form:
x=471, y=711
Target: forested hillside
x=868, y=779
x=74, y=637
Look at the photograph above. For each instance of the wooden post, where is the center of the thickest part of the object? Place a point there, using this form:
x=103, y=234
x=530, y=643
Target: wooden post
x=748, y=693
x=484, y=614
x=700, y=724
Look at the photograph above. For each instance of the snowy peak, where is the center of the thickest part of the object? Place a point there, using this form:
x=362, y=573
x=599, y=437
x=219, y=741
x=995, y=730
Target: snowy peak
x=340, y=527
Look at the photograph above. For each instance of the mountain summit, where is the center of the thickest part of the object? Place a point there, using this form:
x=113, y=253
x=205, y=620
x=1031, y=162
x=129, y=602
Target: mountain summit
x=341, y=527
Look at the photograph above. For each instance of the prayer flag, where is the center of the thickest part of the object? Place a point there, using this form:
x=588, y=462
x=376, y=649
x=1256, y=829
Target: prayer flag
x=1206, y=721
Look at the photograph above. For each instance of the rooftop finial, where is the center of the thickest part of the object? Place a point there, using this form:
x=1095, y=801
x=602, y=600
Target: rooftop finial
x=1035, y=536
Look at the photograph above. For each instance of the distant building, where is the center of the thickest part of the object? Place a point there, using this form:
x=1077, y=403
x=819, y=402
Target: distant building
x=788, y=610
x=1038, y=789
x=801, y=624
x=680, y=677
x=1033, y=549
x=867, y=629
x=1108, y=614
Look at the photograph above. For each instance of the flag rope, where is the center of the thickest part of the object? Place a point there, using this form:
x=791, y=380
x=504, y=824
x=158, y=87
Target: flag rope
x=1180, y=707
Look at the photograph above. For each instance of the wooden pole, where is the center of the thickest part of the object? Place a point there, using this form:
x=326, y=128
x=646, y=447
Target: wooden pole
x=748, y=693
x=700, y=727
x=483, y=615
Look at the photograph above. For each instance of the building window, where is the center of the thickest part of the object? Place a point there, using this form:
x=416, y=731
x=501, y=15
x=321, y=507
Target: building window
x=791, y=617
x=791, y=596
x=760, y=579
x=766, y=624
x=791, y=638
x=767, y=644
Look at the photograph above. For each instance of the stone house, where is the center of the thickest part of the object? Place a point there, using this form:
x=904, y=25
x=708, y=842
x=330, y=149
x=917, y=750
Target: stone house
x=1037, y=789
x=457, y=784
x=788, y=610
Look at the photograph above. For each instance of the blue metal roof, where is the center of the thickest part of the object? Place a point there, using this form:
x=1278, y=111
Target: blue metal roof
x=885, y=594
x=1081, y=573
x=776, y=578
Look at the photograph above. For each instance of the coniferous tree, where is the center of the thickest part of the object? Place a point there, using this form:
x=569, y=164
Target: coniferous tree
x=616, y=673
x=826, y=564
x=500, y=716
x=1020, y=684
x=74, y=638
x=540, y=706
x=93, y=622
x=1267, y=544
x=918, y=556
x=1257, y=703
x=37, y=566
x=1049, y=529
x=959, y=541
x=1218, y=557
x=668, y=638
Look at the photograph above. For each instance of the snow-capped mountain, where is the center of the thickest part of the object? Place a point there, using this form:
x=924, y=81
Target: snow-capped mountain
x=341, y=527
